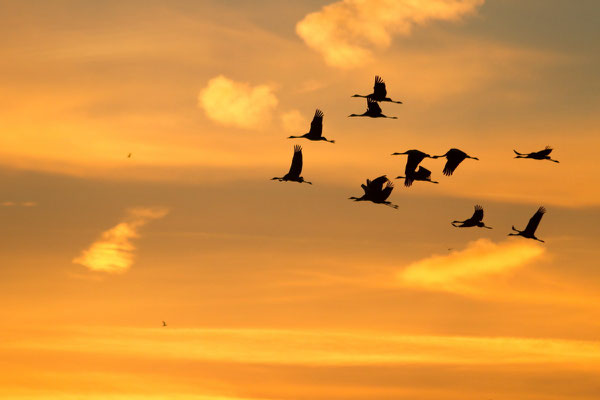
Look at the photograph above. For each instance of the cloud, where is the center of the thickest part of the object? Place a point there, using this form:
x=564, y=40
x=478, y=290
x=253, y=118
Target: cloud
x=345, y=31
x=458, y=271
x=238, y=104
x=113, y=252
x=293, y=122
x=16, y=204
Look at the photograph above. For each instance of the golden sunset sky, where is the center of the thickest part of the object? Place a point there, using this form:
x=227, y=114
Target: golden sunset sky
x=285, y=291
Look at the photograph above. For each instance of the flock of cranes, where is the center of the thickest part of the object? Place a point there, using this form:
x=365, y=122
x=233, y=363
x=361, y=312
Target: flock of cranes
x=379, y=189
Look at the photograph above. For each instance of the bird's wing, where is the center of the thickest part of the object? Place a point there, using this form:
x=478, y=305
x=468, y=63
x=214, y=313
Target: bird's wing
x=535, y=221
x=412, y=162
x=545, y=152
x=424, y=173
x=377, y=183
x=373, y=106
x=478, y=214
x=379, y=90
x=387, y=191
x=296, y=167
x=316, y=126
x=451, y=165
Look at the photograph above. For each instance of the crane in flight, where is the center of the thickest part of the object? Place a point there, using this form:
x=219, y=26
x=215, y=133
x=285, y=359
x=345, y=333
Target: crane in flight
x=475, y=220
x=454, y=157
x=537, y=155
x=373, y=111
x=412, y=162
x=422, y=174
x=531, y=227
x=377, y=191
x=379, y=92
x=295, y=169
x=316, y=129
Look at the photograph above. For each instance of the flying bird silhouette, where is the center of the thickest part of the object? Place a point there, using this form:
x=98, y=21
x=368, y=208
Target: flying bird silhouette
x=529, y=231
x=377, y=191
x=129, y=155
x=164, y=323
x=379, y=92
x=475, y=220
x=454, y=157
x=316, y=129
x=295, y=169
x=373, y=111
x=537, y=155
x=412, y=162
x=422, y=174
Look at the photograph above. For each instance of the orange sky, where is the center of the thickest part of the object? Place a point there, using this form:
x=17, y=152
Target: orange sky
x=282, y=291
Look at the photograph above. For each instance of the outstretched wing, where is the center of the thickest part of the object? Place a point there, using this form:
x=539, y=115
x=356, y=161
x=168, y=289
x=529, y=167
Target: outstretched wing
x=316, y=126
x=423, y=173
x=544, y=152
x=373, y=106
x=379, y=90
x=377, y=183
x=296, y=167
x=387, y=191
x=413, y=160
x=535, y=221
x=478, y=214
x=451, y=165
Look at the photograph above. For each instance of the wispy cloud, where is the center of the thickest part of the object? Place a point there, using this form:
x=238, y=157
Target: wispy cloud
x=458, y=271
x=113, y=252
x=310, y=347
x=18, y=204
x=345, y=31
x=232, y=103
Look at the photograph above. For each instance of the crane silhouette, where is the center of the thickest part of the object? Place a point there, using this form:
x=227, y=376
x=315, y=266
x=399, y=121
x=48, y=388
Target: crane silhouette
x=422, y=174
x=412, y=162
x=529, y=231
x=377, y=191
x=164, y=323
x=295, y=169
x=373, y=111
x=454, y=157
x=316, y=129
x=379, y=92
x=537, y=155
x=475, y=220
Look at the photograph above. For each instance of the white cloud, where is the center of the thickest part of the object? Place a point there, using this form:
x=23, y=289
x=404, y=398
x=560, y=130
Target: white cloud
x=113, y=252
x=345, y=31
x=458, y=271
x=238, y=104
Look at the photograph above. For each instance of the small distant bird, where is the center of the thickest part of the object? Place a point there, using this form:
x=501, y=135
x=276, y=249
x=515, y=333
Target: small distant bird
x=373, y=111
x=475, y=220
x=412, y=162
x=537, y=155
x=164, y=323
x=422, y=174
x=379, y=92
x=376, y=192
x=529, y=231
x=316, y=129
x=295, y=169
x=454, y=157
x=129, y=155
